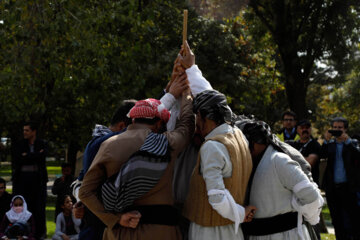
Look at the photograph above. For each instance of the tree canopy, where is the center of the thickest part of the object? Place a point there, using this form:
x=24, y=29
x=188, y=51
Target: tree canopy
x=306, y=32
x=68, y=64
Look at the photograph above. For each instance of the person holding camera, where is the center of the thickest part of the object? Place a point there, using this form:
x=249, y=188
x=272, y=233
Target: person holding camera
x=342, y=179
x=18, y=222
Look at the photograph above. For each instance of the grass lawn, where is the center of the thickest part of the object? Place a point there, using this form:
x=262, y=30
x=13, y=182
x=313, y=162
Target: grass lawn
x=50, y=216
x=326, y=236
x=54, y=169
x=326, y=213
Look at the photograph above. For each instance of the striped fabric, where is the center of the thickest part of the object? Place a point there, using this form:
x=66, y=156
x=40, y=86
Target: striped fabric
x=138, y=175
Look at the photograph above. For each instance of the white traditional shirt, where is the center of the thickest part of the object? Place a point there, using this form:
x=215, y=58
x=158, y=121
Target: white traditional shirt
x=216, y=165
x=278, y=183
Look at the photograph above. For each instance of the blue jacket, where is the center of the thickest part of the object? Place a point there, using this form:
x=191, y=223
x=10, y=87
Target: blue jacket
x=91, y=150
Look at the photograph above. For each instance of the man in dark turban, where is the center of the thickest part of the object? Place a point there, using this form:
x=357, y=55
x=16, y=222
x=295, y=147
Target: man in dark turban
x=282, y=193
x=219, y=180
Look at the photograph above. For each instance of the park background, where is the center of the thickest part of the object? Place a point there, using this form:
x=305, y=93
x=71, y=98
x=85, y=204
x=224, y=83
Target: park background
x=67, y=64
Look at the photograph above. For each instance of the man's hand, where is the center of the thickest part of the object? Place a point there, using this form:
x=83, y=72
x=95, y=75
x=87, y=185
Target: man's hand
x=65, y=237
x=179, y=85
x=79, y=210
x=188, y=58
x=249, y=213
x=177, y=70
x=130, y=219
x=343, y=137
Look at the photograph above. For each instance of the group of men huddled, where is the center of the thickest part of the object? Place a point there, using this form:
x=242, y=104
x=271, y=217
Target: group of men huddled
x=155, y=175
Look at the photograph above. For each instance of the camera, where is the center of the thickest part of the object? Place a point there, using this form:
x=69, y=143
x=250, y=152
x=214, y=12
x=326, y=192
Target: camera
x=335, y=133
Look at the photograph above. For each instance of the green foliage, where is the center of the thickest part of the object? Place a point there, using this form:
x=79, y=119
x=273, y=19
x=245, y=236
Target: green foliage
x=67, y=64
x=343, y=100
x=306, y=32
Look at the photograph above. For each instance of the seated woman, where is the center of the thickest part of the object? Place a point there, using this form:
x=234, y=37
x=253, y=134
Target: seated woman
x=18, y=222
x=67, y=226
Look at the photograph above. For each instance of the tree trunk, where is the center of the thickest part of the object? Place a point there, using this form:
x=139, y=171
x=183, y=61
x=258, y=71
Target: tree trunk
x=73, y=148
x=296, y=95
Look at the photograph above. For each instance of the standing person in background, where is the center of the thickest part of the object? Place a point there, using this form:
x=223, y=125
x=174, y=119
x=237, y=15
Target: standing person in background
x=342, y=179
x=30, y=176
x=5, y=199
x=92, y=227
x=288, y=132
x=61, y=186
x=308, y=147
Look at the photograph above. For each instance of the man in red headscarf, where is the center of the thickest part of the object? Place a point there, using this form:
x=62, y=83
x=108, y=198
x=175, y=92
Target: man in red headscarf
x=150, y=216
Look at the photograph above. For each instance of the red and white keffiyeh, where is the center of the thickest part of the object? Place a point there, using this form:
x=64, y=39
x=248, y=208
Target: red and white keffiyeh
x=149, y=108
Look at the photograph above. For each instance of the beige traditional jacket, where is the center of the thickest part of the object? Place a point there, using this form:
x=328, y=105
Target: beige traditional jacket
x=113, y=153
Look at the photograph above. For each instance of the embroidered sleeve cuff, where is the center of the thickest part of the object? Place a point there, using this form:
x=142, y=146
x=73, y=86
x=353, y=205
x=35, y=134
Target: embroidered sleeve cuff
x=168, y=100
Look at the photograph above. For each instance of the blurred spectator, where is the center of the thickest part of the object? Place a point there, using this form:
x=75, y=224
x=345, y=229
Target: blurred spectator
x=5, y=198
x=356, y=136
x=30, y=175
x=18, y=222
x=288, y=132
x=61, y=186
x=2, y=152
x=342, y=179
x=67, y=226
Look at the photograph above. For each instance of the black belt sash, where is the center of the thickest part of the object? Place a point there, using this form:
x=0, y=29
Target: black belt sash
x=157, y=214
x=271, y=225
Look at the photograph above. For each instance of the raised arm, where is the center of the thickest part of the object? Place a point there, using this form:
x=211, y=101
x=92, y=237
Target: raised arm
x=181, y=135
x=197, y=82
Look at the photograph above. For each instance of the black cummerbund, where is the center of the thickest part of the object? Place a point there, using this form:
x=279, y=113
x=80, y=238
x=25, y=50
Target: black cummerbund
x=156, y=214
x=271, y=225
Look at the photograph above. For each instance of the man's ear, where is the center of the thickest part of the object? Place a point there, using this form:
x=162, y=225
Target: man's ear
x=158, y=125
x=120, y=126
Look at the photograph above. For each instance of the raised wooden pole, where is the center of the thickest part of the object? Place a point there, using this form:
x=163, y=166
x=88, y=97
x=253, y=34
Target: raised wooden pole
x=185, y=26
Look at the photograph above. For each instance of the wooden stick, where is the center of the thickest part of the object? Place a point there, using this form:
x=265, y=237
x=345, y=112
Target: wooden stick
x=185, y=26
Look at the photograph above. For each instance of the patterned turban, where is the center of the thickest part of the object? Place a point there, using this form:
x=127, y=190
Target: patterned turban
x=213, y=104
x=260, y=132
x=149, y=108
